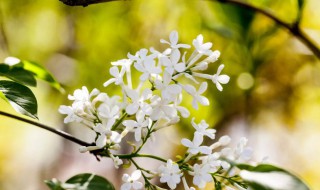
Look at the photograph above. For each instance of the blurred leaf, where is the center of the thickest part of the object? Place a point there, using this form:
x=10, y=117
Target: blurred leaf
x=217, y=185
x=20, y=97
x=239, y=16
x=220, y=30
x=300, y=4
x=300, y=9
x=92, y=182
x=18, y=74
x=127, y=165
x=269, y=177
x=41, y=73
x=84, y=181
x=53, y=184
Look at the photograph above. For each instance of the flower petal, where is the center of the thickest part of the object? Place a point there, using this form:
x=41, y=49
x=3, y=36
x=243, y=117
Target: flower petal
x=203, y=87
x=136, y=175
x=223, y=79
x=137, y=185
x=186, y=142
x=220, y=69
x=132, y=108
x=174, y=37
x=175, y=56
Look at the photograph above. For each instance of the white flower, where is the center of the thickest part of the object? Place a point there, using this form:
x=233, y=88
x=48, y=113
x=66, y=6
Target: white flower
x=197, y=94
x=83, y=149
x=201, y=175
x=202, y=129
x=137, y=126
x=108, y=113
x=174, y=37
x=147, y=67
x=116, y=161
x=183, y=111
x=118, y=76
x=194, y=146
x=185, y=185
x=103, y=131
x=200, y=66
x=126, y=64
x=161, y=109
x=212, y=161
x=224, y=140
x=138, y=102
x=158, y=54
x=213, y=56
x=82, y=96
x=217, y=78
x=140, y=56
x=170, y=174
x=202, y=48
x=242, y=152
x=131, y=182
x=168, y=91
x=172, y=64
x=71, y=114
x=106, y=135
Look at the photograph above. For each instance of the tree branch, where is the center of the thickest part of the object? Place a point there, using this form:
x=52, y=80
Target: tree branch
x=53, y=130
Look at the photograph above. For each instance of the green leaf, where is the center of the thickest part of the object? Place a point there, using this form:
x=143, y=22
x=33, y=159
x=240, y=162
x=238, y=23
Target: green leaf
x=217, y=185
x=53, y=184
x=18, y=74
x=20, y=97
x=84, y=181
x=300, y=9
x=41, y=73
x=126, y=165
x=269, y=177
x=300, y=4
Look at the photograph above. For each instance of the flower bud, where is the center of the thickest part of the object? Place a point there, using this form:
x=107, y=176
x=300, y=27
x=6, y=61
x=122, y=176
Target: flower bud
x=224, y=140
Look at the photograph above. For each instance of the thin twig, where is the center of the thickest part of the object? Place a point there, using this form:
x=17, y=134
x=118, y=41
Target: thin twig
x=53, y=130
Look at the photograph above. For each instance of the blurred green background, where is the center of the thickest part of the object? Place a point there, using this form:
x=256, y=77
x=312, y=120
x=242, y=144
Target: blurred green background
x=273, y=97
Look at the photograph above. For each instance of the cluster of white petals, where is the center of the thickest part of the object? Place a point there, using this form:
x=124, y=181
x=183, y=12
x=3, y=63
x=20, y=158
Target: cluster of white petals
x=153, y=101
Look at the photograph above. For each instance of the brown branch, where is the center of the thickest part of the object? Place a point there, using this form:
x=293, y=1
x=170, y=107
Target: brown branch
x=53, y=130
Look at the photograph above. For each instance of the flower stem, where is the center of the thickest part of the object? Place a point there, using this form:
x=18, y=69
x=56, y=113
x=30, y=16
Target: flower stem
x=114, y=127
x=129, y=156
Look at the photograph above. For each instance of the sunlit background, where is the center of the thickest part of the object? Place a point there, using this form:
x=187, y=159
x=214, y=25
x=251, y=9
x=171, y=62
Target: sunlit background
x=273, y=97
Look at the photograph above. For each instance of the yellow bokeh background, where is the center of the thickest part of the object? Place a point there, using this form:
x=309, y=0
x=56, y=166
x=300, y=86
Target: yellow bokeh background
x=273, y=97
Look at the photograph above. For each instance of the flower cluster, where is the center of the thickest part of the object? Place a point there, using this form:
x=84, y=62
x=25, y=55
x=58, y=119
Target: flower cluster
x=152, y=102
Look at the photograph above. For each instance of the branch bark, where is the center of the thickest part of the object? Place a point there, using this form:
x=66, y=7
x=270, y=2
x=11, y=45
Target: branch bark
x=53, y=130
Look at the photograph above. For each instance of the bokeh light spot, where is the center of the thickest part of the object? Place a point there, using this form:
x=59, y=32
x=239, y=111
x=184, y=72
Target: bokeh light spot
x=245, y=81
